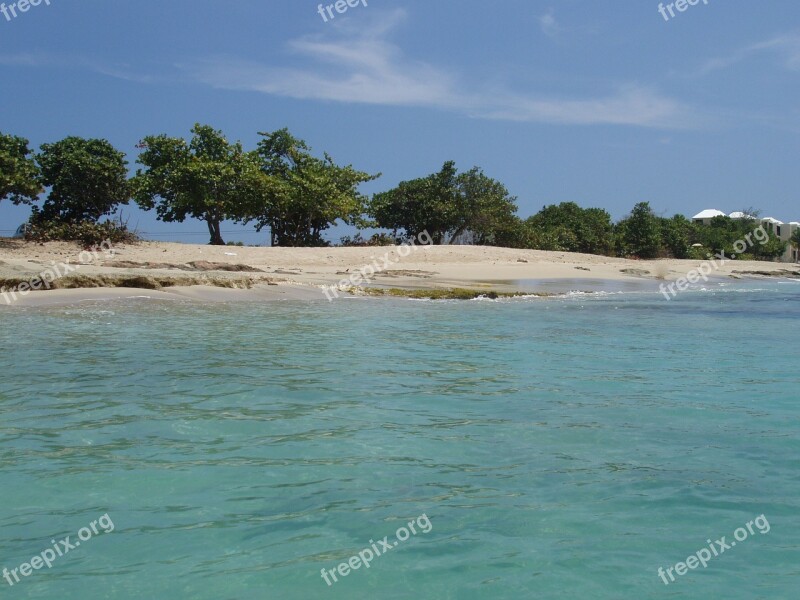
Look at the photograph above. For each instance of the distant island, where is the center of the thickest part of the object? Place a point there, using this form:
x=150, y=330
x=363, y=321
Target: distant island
x=76, y=186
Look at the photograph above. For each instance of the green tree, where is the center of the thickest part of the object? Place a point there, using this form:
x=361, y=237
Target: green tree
x=640, y=233
x=772, y=249
x=514, y=233
x=87, y=180
x=19, y=174
x=424, y=204
x=484, y=210
x=306, y=195
x=567, y=227
x=207, y=178
x=722, y=232
x=678, y=235
x=450, y=207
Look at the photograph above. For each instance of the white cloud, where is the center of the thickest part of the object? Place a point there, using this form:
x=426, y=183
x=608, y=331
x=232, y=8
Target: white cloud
x=786, y=46
x=629, y=105
x=43, y=60
x=548, y=24
x=361, y=66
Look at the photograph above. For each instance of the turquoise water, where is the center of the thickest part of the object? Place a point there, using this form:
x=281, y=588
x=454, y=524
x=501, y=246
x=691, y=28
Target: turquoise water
x=560, y=448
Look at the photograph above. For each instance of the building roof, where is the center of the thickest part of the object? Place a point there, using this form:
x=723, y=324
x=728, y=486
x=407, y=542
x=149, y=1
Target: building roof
x=771, y=220
x=740, y=215
x=710, y=214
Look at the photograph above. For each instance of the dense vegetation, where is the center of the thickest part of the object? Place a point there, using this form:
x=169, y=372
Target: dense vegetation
x=281, y=185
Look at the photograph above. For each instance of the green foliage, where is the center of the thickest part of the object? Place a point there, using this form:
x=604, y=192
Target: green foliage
x=485, y=211
x=377, y=239
x=774, y=248
x=514, y=233
x=677, y=236
x=19, y=174
x=87, y=180
x=639, y=234
x=697, y=253
x=306, y=195
x=723, y=233
x=425, y=204
x=567, y=227
x=208, y=179
x=450, y=206
x=87, y=233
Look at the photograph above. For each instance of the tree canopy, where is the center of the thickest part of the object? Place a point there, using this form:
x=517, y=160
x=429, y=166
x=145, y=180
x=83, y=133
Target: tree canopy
x=19, y=173
x=639, y=234
x=207, y=178
x=306, y=194
x=569, y=228
x=450, y=206
x=88, y=179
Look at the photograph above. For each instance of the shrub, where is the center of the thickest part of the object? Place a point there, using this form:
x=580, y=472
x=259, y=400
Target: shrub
x=87, y=233
x=377, y=239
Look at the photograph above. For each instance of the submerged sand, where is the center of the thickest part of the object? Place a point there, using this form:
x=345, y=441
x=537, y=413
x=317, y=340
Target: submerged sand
x=216, y=273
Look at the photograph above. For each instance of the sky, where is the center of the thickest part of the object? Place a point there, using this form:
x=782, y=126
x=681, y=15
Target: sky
x=602, y=102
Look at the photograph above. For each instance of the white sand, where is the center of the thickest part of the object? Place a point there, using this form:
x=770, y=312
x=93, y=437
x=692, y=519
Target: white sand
x=299, y=272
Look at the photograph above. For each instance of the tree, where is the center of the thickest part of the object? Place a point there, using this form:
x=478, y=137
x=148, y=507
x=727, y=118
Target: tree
x=424, y=204
x=484, y=209
x=722, y=232
x=772, y=249
x=19, y=174
x=640, y=233
x=208, y=179
x=306, y=195
x=677, y=235
x=567, y=227
x=450, y=207
x=87, y=180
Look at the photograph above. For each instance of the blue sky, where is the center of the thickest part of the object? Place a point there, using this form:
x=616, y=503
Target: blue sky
x=601, y=102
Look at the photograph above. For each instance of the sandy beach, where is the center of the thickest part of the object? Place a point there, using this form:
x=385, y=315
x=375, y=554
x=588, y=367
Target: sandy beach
x=222, y=273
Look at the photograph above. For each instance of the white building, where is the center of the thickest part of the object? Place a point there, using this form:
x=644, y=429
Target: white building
x=784, y=232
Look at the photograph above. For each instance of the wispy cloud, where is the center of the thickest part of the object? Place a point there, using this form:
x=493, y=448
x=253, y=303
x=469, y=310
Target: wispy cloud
x=44, y=60
x=785, y=46
x=549, y=25
x=362, y=66
x=629, y=105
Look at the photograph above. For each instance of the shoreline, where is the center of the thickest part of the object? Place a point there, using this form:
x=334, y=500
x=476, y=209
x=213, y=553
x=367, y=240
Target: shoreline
x=311, y=294
x=223, y=273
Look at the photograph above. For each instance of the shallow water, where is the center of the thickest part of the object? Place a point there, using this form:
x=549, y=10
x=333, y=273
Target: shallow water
x=561, y=448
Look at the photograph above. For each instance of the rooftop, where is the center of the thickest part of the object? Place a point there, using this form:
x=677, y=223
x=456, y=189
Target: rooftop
x=710, y=214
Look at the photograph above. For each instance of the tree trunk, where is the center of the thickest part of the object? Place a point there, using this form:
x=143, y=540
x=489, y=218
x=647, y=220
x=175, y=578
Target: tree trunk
x=215, y=232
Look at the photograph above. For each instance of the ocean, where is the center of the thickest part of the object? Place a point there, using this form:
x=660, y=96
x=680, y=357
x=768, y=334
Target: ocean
x=565, y=447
